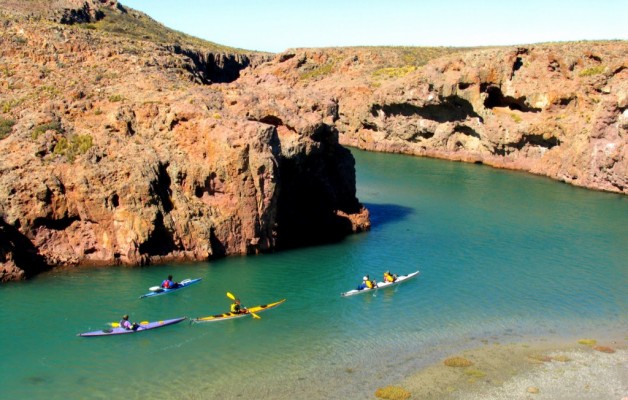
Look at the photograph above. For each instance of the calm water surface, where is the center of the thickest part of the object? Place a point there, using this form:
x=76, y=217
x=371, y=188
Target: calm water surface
x=503, y=256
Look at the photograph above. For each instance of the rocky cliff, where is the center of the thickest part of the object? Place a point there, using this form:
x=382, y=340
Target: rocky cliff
x=557, y=110
x=125, y=143
x=118, y=151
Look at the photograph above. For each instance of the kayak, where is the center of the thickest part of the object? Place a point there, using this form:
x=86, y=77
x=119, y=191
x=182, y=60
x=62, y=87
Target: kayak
x=143, y=327
x=381, y=285
x=230, y=315
x=157, y=291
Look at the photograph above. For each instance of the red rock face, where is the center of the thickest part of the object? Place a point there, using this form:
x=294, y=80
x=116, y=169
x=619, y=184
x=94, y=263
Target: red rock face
x=557, y=110
x=113, y=155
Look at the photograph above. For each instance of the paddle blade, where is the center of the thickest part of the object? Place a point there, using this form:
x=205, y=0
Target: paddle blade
x=229, y=295
x=255, y=315
x=154, y=288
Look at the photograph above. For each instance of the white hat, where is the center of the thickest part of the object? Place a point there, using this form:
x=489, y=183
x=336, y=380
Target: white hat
x=366, y=278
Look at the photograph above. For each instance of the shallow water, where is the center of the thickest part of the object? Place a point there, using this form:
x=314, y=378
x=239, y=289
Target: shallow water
x=502, y=255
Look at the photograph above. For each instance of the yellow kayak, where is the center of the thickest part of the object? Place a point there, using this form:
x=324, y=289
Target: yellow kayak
x=230, y=315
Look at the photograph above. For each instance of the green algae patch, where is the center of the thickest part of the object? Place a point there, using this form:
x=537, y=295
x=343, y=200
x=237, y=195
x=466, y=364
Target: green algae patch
x=539, y=358
x=603, y=349
x=392, y=393
x=474, y=373
x=561, y=358
x=587, y=342
x=458, y=362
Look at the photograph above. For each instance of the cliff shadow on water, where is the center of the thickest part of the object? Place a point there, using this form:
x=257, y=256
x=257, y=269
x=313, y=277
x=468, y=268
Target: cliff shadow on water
x=382, y=214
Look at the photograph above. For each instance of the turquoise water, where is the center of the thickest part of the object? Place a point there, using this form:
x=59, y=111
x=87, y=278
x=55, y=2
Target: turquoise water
x=503, y=256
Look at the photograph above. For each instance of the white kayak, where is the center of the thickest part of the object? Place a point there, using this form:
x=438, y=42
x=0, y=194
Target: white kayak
x=381, y=285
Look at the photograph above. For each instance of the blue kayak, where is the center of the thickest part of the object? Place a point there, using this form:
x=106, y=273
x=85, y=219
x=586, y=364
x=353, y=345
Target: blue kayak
x=144, y=326
x=157, y=291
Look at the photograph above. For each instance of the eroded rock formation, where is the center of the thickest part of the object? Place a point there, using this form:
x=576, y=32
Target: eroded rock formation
x=553, y=110
x=114, y=153
x=557, y=110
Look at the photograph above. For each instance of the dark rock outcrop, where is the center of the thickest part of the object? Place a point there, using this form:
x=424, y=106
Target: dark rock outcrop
x=212, y=67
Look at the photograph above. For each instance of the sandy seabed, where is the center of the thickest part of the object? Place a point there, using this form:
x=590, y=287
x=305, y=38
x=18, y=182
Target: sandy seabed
x=540, y=370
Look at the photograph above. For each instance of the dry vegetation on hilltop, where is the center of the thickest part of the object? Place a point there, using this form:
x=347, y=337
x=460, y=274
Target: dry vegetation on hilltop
x=113, y=19
x=136, y=25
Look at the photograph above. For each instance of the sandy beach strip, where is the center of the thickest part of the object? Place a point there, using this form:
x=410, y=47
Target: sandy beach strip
x=578, y=369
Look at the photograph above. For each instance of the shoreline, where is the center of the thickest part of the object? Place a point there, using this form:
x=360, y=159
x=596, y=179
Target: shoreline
x=536, y=369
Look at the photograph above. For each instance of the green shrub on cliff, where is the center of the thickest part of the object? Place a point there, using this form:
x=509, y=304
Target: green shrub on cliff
x=43, y=128
x=77, y=145
x=592, y=71
x=9, y=104
x=6, y=125
x=515, y=118
x=394, y=72
x=114, y=98
x=323, y=70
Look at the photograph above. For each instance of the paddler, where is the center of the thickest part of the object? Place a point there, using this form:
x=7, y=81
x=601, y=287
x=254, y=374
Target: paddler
x=237, y=308
x=124, y=323
x=367, y=283
x=388, y=277
x=169, y=284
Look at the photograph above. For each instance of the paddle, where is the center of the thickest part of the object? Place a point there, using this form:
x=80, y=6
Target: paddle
x=232, y=297
x=155, y=289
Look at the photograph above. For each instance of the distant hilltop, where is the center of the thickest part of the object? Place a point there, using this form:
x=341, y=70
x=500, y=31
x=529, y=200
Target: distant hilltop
x=125, y=142
x=61, y=11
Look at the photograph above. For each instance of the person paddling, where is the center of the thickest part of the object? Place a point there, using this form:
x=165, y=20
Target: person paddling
x=124, y=323
x=367, y=283
x=169, y=284
x=388, y=277
x=237, y=308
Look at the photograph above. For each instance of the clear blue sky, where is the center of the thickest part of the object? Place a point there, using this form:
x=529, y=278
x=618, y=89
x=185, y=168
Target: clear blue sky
x=276, y=25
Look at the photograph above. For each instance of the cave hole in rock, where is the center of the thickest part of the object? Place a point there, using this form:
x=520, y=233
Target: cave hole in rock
x=271, y=120
x=207, y=187
x=160, y=241
x=495, y=98
x=467, y=130
x=54, y=224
